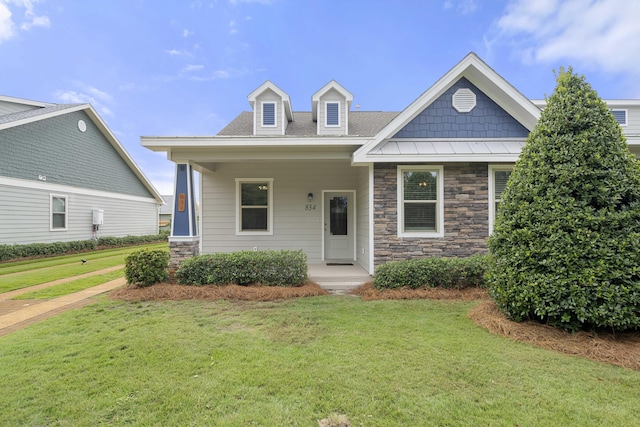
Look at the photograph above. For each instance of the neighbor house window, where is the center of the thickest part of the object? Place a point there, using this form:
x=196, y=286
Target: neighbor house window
x=620, y=116
x=498, y=177
x=420, y=201
x=268, y=114
x=333, y=114
x=59, y=210
x=254, y=209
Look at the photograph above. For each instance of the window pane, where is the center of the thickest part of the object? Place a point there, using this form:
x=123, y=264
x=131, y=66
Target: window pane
x=254, y=219
x=332, y=114
x=268, y=114
x=57, y=220
x=57, y=204
x=420, y=185
x=420, y=217
x=501, y=178
x=338, y=216
x=255, y=194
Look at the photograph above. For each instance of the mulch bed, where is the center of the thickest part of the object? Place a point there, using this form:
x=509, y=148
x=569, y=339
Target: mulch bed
x=621, y=349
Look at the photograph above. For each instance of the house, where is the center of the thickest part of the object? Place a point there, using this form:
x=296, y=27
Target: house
x=355, y=186
x=64, y=176
x=165, y=213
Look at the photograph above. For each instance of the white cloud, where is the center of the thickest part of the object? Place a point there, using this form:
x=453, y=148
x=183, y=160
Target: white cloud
x=173, y=52
x=464, y=7
x=6, y=23
x=604, y=34
x=88, y=95
x=186, y=33
x=192, y=67
x=30, y=20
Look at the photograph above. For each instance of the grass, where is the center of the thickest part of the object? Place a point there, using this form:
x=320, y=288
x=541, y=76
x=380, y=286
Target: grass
x=379, y=363
x=61, y=267
x=72, y=286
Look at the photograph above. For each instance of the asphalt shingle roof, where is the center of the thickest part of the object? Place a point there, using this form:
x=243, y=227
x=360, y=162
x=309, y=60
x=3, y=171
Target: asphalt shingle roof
x=361, y=123
x=34, y=112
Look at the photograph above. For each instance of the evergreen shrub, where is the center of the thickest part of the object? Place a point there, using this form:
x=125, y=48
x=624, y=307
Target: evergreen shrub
x=268, y=268
x=448, y=273
x=566, y=241
x=147, y=267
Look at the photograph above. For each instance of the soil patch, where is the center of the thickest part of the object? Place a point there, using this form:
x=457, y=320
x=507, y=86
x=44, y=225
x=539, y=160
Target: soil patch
x=167, y=291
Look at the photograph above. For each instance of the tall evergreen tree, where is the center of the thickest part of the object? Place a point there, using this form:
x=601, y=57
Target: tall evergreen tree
x=566, y=241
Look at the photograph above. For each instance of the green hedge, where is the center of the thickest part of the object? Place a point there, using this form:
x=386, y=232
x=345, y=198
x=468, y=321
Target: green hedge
x=146, y=267
x=8, y=252
x=268, y=268
x=448, y=273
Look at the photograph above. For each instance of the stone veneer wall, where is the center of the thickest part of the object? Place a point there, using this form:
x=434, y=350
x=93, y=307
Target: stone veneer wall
x=180, y=251
x=466, y=215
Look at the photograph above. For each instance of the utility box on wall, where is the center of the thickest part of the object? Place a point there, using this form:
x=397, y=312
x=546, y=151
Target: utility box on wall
x=98, y=216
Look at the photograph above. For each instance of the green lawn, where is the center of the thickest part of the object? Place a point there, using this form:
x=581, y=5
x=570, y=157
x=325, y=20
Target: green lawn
x=380, y=363
x=18, y=275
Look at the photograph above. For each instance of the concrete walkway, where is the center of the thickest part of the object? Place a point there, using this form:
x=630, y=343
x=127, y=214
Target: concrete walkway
x=16, y=314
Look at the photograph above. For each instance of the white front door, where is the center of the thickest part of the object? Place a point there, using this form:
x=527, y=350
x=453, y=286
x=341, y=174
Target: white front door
x=339, y=225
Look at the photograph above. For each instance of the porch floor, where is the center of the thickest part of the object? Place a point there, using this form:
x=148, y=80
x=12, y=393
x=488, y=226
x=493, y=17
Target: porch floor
x=338, y=279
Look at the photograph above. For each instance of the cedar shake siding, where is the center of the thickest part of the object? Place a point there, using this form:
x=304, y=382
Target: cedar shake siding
x=466, y=215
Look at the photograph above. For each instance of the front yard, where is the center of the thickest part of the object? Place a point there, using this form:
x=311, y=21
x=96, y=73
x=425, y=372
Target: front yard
x=377, y=363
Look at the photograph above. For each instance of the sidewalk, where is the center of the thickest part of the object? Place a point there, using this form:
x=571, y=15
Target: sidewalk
x=15, y=314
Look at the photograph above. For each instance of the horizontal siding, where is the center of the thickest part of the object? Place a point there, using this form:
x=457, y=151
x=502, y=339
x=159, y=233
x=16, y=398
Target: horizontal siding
x=269, y=96
x=24, y=217
x=294, y=226
x=332, y=96
x=633, y=121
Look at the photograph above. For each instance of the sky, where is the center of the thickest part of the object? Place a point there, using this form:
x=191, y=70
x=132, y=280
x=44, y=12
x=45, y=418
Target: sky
x=184, y=68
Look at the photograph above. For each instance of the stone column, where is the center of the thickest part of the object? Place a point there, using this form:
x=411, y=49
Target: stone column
x=184, y=241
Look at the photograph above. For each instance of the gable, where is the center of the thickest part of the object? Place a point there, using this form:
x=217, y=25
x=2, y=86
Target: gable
x=441, y=120
x=57, y=149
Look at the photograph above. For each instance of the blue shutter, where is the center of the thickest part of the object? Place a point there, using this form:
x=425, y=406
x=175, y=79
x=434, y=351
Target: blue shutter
x=620, y=116
x=333, y=116
x=268, y=114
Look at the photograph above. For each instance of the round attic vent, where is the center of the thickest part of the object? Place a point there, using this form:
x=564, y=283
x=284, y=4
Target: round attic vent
x=464, y=100
x=82, y=126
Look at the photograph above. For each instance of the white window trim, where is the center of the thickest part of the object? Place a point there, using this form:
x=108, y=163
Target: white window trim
x=66, y=212
x=439, y=169
x=492, y=191
x=326, y=114
x=626, y=116
x=269, y=231
x=275, y=114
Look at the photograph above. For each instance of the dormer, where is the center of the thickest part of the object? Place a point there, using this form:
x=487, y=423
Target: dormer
x=271, y=110
x=330, y=109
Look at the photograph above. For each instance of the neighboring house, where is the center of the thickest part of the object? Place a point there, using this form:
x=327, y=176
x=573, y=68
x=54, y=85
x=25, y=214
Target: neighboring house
x=166, y=212
x=64, y=176
x=356, y=186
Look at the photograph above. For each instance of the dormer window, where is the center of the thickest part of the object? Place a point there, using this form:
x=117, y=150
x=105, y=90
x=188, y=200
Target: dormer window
x=333, y=114
x=268, y=114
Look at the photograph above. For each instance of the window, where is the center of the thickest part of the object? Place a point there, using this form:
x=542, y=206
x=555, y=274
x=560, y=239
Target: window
x=498, y=177
x=268, y=114
x=254, y=212
x=58, y=207
x=333, y=114
x=620, y=116
x=420, y=201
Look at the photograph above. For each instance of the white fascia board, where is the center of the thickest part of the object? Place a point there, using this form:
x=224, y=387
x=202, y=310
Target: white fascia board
x=45, y=116
x=23, y=101
x=162, y=143
x=268, y=85
x=478, y=73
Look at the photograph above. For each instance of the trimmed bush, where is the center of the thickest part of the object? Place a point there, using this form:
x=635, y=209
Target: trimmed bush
x=8, y=252
x=146, y=267
x=566, y=240
x=268, y=268
x=448, y=273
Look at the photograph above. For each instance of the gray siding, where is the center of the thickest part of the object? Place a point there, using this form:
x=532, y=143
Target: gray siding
x=441, y=120
x=269, y=96
x=24, y=216
x=54, y=148
x=332, y=96
x=294, y=226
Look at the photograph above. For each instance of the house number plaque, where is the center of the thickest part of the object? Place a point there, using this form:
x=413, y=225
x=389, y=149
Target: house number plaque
x=182, y=202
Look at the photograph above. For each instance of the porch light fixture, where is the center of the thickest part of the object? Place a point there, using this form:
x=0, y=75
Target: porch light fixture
x=310, y=197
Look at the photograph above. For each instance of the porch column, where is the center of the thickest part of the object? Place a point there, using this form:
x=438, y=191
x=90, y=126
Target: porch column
x=184, y=241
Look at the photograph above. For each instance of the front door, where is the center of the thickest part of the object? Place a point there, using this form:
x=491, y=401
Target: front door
x=339, y=227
